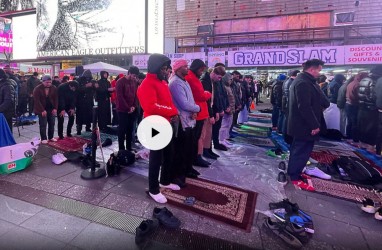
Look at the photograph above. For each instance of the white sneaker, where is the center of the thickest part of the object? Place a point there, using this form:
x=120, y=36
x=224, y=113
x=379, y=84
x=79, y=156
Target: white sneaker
x=170, y=186
x=317, y=173
x=44, y=141
x=378, y=214
x=62, y=156
x=158, y=197
x=53, y=139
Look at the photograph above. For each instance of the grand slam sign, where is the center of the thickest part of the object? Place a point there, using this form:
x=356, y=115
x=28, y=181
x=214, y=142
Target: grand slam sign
x=278, y=57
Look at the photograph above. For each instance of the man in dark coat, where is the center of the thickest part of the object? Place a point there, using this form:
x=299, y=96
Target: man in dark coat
x=285, y=104
x=276, y=100
x=32, y=83
x=126, y=106
x=103, y=92
x=7, y=97
x=334, y=87
x=85, y=102
x=66, y=104
x=306, y=101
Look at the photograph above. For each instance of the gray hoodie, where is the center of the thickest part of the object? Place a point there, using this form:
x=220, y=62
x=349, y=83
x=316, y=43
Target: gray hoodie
x=184, y=101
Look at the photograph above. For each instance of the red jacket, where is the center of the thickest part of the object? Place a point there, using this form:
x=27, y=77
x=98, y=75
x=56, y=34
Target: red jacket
x=155, y=98
x=126, y=97
x=200, y=96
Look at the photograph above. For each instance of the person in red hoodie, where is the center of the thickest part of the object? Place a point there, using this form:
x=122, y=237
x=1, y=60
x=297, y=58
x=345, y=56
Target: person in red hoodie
x=113, y=99
x=155, y=99
x=201, y=97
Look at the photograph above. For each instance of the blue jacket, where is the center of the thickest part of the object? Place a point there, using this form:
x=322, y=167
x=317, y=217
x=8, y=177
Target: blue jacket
x=334, y=87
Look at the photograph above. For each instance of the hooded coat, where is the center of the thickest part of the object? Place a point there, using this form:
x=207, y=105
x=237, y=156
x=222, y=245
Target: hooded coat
x=207, y=86
x=200, y=95
x=334, y=87
x=85, y=99
x=7, y=99
x=153, y=93
x=103, y=100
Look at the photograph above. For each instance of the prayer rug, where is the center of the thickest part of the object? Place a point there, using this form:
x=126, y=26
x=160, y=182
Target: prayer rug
x=325, y=158
x=336, y=152
x=88, y=135
x=345, y=191
x=260, y=124
x=341, y=146
x=221, y=202
x=261, y=142
x=69, y=144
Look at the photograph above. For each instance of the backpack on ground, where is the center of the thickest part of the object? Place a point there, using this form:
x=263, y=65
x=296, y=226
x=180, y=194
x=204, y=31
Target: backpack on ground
x=112, y=166
x=358, y=170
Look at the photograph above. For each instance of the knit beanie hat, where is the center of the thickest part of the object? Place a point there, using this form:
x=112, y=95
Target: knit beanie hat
x=178, y=64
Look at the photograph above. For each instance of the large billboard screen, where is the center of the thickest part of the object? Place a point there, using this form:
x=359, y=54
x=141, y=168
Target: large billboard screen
x=24, y=37
x=6, y=37
x=90, y=27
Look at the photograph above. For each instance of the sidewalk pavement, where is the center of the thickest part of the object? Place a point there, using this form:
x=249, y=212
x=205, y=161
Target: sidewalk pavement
x=42, y=207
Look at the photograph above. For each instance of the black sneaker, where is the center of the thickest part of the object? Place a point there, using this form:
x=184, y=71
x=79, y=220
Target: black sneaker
x=200, y=163
x=166, y=218
x=290, y=208
x=179, y=182
x=78, y=132
x=213, y=153
x=281, y=178
x=61, y=137
x=194, y=171
x=208, y=155
x=69, y=135
x=282, y=166
x=146, y=228
x=280, y=230
x=220, y=147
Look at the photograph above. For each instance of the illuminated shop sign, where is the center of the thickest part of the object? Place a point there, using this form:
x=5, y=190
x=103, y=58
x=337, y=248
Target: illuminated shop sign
x=108, y=27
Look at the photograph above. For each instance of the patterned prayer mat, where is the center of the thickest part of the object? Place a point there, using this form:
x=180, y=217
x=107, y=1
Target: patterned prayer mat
x=333, y=145
x=261, y=142
x=259, y=124
x=69, y=144
x=88, y=135
x=323, y=157
x=345, y=191
x=224, y=203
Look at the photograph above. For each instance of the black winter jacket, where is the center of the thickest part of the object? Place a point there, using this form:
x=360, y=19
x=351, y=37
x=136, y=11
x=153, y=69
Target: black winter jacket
x=378, y=93
x=366, y=92
x=277, y=93
x=306, y=102
x=66, y=98
x=7, y=97
x=207, y=86
x=285, y=98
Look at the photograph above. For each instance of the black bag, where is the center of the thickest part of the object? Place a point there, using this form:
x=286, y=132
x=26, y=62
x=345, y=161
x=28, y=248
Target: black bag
x=125, y=158
x=112, y=166
x=358, y=170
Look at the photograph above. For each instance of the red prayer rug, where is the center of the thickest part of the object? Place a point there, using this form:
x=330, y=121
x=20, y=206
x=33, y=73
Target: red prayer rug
x=69, y=144
x=224, y=203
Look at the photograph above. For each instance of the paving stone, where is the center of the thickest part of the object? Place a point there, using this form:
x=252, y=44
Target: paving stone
x=134, y=187
x=16, y=211
x=21, y=178
x=270, y=241
x=224, y=231
x=75, y=178
x=345, y=211
x=97, y=236
x=124, y=204
x=85, y=194
x=56, y=225
x=373, y=238
x=51, y=186
x=44, y=167
x=124, y=175
x=47, y=151
x=5, y=226
x=338, y=233
x=21, y=238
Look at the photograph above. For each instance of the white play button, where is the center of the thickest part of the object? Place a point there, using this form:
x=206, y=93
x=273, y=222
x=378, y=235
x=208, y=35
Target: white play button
x=154, y=132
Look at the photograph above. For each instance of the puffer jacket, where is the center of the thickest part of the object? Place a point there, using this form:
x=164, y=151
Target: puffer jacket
x=366, y=92
x=7, y=97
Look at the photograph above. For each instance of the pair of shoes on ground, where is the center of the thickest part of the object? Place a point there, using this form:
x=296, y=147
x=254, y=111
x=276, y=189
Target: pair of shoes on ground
x=369, y=206
x=58, y=158
x=46, y=141
x=161, y=216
